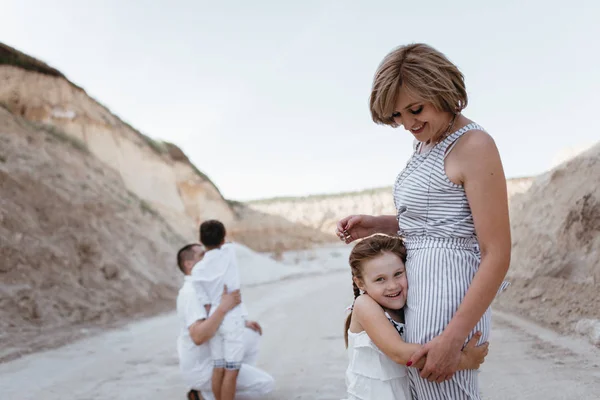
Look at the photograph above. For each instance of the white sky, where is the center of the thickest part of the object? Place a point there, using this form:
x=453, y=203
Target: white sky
x=270, y=98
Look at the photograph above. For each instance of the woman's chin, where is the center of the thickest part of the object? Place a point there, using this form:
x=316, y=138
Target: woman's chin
x=422, y=137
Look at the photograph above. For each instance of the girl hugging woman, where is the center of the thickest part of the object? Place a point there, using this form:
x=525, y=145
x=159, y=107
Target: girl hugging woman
x=378, y=355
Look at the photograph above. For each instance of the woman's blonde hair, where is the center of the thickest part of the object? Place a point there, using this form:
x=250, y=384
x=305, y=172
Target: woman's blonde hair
x=366, y=250
x=425, y=73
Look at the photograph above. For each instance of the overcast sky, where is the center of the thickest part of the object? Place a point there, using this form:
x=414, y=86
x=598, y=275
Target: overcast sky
x=270, y=98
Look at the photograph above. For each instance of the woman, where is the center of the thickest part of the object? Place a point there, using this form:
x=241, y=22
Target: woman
x=452, y=211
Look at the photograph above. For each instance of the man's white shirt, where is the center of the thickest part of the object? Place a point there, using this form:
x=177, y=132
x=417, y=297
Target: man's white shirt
x=195, y=361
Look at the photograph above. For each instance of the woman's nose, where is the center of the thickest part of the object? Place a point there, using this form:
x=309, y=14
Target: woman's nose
x=407, y=122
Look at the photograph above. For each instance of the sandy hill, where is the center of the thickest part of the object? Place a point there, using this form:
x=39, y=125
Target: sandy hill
x=75, y=245
x=92, y=212
x=323, y=211
x=555, y=219
x=555, y=266
x=157, y=172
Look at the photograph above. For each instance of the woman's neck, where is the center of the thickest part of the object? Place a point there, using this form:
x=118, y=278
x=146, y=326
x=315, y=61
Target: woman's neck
x=460, y=122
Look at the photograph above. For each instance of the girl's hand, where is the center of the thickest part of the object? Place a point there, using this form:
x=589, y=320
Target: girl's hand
x=255, y=326
x=356, y=227
x=472, y=355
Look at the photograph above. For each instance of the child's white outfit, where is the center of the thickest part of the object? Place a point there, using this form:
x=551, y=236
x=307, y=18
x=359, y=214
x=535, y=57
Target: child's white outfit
x=217, y=269
x=371, y=375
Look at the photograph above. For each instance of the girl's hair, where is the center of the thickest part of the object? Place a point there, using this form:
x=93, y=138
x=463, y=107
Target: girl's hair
x=425, y=73
x=366, y=250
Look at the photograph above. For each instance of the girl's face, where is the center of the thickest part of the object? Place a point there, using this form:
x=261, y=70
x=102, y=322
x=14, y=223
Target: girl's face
x=420, y=118
x=384, y=279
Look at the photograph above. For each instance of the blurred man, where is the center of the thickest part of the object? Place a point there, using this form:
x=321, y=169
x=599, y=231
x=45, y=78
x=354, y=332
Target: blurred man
x=196, y=328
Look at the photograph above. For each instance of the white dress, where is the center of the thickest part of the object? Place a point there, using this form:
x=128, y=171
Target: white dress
x=371, y=375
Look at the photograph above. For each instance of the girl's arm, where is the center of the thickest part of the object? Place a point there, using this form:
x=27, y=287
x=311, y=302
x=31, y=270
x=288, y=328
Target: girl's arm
x=371, y=317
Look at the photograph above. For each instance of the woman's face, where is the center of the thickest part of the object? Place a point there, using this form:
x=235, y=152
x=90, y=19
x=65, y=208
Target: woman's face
x=420, y=118
x=384, y=279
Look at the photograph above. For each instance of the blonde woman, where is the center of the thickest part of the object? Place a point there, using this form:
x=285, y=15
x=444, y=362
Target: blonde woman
x=452, y=212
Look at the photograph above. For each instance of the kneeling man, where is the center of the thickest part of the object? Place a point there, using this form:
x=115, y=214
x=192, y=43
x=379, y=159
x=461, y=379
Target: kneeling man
x=196, y=328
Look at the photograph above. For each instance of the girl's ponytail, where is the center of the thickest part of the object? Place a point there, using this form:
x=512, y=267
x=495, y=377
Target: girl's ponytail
x=349, y=318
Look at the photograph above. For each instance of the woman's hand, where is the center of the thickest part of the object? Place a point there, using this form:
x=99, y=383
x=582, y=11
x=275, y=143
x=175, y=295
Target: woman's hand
x=443, y=358
x=356, y=227
x=471, y=357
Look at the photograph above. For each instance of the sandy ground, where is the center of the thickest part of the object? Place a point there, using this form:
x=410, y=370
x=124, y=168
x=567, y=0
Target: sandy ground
x=302, y=348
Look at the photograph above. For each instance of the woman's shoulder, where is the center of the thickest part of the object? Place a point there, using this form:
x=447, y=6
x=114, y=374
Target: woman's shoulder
x=473, y=142
x=472, y=135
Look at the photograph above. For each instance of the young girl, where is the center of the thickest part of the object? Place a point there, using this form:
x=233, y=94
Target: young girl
x=374, y=328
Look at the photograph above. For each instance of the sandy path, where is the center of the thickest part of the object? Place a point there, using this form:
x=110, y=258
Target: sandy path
x=139, y=361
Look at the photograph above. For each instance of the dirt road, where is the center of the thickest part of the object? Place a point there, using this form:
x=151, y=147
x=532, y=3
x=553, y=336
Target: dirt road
x=302, y=348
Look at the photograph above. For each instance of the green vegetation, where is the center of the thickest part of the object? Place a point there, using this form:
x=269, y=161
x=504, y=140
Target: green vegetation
x=147, y=209
x=166, y=148
x=338, y=195
x=322, y=196
x=57, y=133
x=235, y=203
x=11, y=56
x=52, y=130
x=204, y=176
x=157, y=146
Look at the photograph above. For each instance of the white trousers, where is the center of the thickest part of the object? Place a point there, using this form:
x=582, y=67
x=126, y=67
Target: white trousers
x=252, y=383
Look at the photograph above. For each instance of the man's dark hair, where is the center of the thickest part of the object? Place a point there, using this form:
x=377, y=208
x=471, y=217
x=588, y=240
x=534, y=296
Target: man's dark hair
x=212, y=233
x=186, y=253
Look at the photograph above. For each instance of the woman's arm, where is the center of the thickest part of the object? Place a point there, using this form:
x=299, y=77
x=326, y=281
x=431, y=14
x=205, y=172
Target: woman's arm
x=361, y=226
x=482, y=175
x=485, y=186
x=371, y=317
x=388, y=224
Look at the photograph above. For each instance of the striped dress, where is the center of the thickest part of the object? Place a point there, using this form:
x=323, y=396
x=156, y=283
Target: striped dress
x=435, y=220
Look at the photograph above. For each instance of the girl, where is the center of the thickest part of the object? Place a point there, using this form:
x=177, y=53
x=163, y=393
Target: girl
x=374, y=327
